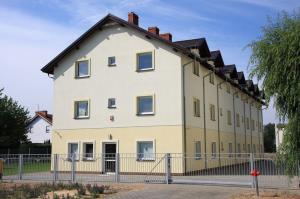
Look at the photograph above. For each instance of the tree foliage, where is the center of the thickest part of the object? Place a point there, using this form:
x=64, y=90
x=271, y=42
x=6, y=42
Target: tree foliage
x=275, y=60
x=13, y=120
x=269, y=138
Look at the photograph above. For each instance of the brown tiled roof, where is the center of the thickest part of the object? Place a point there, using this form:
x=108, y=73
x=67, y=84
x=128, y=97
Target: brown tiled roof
x=44, y=115
x=216, y=57
x=199, y=44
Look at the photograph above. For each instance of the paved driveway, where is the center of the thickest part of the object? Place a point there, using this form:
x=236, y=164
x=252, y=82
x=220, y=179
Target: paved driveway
x=173, y=191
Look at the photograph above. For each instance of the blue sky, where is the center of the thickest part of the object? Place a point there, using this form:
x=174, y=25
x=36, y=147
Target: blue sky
x=32, y=32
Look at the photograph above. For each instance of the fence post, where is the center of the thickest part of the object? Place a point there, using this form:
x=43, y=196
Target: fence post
x=73, y=168
x=251, y=169
x=117, y=168
x=168, y=177
x=20, y=172
x=55, y=167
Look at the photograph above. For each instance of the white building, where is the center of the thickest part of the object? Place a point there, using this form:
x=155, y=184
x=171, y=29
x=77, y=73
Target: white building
x=40, y=127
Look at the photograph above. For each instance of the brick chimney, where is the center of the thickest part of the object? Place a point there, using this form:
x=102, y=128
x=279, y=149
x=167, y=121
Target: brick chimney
x=154, y=30
x=42, y=113
x=133, y=18
x=166, y=36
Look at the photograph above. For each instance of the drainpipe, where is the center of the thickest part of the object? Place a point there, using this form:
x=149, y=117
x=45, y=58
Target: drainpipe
x=234, y=122
x=184, y=110
x=262, y=122
x=218, y=111
x=258, y=129
x=204, y=116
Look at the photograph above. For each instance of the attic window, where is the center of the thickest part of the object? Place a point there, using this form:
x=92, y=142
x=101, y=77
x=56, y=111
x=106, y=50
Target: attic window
x=82, y=69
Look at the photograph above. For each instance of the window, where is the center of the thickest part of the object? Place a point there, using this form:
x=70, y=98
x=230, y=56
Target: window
x=213, y=150
x=212, y=112
x=254, y=149
x=244, y=148
x=112, y=103
x=252, y=125
x=242, y=119
x=196, y=104
x=81, y=109
x=212, y=78
x=229, y=117
x=228, y=88
x=145, y=105
x=88, y=150
x=238, y=120
x=82, y=69
x=221, y=112
x=47, y=129
x=196, y=69
x=222, y=147
x=73, y=149
x=247, y=122
x=239, y=149
x=249, y=149
x=230, y=149
x=197, y=150
x=145, y=150
x=112, y=61
x=144, y=61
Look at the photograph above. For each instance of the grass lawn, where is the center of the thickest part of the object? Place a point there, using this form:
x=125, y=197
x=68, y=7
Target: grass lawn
x=32, y=167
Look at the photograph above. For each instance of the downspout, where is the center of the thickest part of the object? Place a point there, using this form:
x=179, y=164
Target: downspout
x=258, y=127
x=184, y=110
x=262, y=122
x=218, y=111
x=234, y=122
x=204, y=116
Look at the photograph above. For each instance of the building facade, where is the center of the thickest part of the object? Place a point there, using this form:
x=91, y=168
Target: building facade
x=40, y=127
x=122, y=89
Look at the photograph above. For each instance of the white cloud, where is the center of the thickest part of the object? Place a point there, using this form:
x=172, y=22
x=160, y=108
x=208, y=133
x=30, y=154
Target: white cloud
x=273, y=4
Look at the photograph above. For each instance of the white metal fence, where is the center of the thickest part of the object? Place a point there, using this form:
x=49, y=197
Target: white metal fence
x=222, y=169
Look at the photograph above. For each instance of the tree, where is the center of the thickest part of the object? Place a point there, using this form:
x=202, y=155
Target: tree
x=275, y=61
x=269, y=138
x=13, y=120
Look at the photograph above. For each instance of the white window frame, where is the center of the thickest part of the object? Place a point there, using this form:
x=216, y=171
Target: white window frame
x=76, y=111
x=214, y=150
x=230, y=149
x=144, y=53
x=48, y=129
x=196, y=107
x=198, y=154
x=238, y=123
x=229, y=119
x=137, y=149
x=145, y=113
x=76, y=69
x=212, y=111
x=69, y=157
x=84, y=150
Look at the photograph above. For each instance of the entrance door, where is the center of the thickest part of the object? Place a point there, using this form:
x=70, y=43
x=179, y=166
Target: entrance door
x=110, y=157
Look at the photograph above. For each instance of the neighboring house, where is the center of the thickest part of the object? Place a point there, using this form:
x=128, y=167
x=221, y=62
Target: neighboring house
x=279, y=133
x=40, y=127
x=122, y=89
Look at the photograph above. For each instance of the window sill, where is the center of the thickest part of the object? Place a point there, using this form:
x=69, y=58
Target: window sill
x=197, y=116
x=145, y=160
x=112, y=107
x=88, y=159
x=112, y=65
x=145, y=114
x=144, y=70
x=82, y=77
x=81, y=118
x=198, y=158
